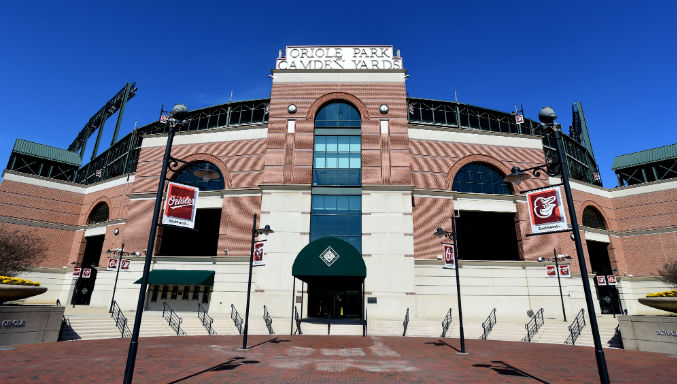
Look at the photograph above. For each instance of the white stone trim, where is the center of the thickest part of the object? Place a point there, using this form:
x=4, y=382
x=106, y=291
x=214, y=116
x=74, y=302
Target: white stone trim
x=96, y=231
x=66, y=186
x=199, y=137
x=594, y=236
x=209, y=202
x=619, y=191
x=473, y=137
x=338, y=77
x=485, y=205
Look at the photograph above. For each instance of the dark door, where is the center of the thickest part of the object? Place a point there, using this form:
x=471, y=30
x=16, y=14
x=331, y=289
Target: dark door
x=338, y=298
x=85, y=286
x=609, y=299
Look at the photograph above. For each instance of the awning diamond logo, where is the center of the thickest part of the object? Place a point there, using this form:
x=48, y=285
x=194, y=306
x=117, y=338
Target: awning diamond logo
x=329, y=256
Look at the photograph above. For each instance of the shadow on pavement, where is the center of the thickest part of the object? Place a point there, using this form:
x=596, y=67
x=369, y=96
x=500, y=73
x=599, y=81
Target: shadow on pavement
x=440, y=343
x=226, y=366
x=506, y=369
x=274, y=340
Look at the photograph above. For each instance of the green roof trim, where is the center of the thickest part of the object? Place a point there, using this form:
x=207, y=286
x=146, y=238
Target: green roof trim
x=46, y=152
x=179, y=277
x=645, y=157
x=329, y=257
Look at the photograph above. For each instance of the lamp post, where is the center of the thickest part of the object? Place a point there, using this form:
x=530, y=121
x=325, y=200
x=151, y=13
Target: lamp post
x=255, y=232
x=547, y=116
x=556, y=258
x=178, y=115
x=452, y=235
x=120, y=252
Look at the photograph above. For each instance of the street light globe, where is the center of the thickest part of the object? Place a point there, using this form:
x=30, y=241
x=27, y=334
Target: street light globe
x=547, y=115
x=180, y=111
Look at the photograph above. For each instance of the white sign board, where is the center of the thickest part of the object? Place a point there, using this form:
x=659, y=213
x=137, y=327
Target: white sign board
x=333, y=57
x=519, y=119
x=180, y=205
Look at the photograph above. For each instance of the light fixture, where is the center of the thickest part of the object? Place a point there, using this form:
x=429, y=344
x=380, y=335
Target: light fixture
x=440, y=232
x=291, y=109
x=516, y=176
x=547, y=115
x=179, y=112
x=383, y=109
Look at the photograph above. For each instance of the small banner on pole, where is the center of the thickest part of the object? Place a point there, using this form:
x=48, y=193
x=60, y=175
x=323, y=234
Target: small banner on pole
x=258, y=253
x=546, y=211
x=564, y=271
x=180, y=205
x=125, y=264
x=611, y=279
x=112, y=265
x=86, y=273
x=76, y=272
x=601, y=280
x=449, y=259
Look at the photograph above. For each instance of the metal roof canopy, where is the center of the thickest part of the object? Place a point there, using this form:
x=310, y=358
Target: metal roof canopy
x=179, y=277
x=46, y=152
x=645, y=157
x=329, y=257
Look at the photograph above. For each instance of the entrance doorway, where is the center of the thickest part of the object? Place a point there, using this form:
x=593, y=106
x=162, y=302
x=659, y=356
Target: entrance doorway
x=84, y=287
x=486, y=236
x=339, y=299
x=609, y=299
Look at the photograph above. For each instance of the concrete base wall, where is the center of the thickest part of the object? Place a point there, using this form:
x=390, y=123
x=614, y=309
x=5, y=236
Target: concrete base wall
x=25, y=324
x=649, y=333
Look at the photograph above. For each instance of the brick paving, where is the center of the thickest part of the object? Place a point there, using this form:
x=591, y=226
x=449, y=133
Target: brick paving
x=322, y=359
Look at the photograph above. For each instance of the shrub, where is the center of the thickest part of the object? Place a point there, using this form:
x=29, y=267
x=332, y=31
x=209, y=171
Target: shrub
x=19, y=251
x=668, y=274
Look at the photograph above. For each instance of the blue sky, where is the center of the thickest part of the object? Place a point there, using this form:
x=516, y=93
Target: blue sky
x=60, y=62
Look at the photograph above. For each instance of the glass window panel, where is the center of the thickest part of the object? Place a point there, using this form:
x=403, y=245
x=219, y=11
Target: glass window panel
x=342, y=204
x=355, y=160
x=332, y=161
x=317, y=203
x=332, y=143
x=341, y=224
x=355, y=143
x=320, y=162
x=320, y=143
x=355, y=203
x=480, y=178
x=330, y=203
x=355, y=225
x=343, y=161
x=344, y=143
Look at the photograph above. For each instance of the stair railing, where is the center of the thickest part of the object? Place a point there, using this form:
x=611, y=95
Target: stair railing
x=120, y=320
x=488, y=324
x=533, y=325
x=297, y=318
x=172, y=319
x=328, y=323
x=446, y=323
x=576, y=327
x=268, y=320
x=364, y=323
x=237, y=319
x=64, y=323
x=206, y=320
x=405, y=323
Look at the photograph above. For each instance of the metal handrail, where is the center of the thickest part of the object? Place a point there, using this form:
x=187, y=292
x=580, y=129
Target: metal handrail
x=172, y=318
x=533, y=325
x=488, y=324
x=237, y=319
x=576, y=327
x=446, y=323
x=268, y=320
x=297, y=318
x=207, y=320
x=405, y=323
x=364, y=323
x=120, y=320
x=328, y=323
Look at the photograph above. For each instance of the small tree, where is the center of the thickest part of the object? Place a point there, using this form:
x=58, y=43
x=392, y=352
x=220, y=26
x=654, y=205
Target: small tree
x=19, y=251
x=668, y=274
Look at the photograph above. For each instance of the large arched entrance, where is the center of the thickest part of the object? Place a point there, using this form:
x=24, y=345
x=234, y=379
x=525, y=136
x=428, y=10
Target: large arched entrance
x=334, y=271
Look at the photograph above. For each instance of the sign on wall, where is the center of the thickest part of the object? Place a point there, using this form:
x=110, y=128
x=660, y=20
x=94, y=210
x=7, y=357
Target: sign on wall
x=180, y=205
x=258, y=253
x=359, y=57
x=546, y=211
x=449, y=259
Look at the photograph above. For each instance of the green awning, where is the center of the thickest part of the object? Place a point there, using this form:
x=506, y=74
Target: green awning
x=329, y=257
x=179, y=277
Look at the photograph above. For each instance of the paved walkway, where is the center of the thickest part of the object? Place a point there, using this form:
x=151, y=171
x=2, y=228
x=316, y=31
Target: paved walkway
x=322, y=359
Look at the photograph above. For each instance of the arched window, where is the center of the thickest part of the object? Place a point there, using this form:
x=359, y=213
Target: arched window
x=593, y=218
x=337, y=163
x=480, y=178
x=202, y=174
x=99, y=214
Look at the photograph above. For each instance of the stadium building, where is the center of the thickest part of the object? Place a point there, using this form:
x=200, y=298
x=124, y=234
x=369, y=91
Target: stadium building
x=354, y=177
